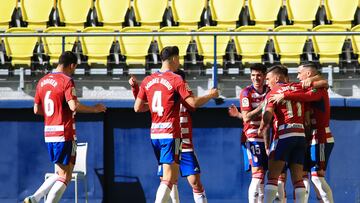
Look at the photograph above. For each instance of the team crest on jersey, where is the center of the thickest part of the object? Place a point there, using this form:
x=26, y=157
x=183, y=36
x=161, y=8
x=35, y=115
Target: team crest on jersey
x=73, y=91
x=245, y=102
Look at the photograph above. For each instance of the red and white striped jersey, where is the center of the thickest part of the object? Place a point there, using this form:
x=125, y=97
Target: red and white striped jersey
x=53, y=91
x=288, y=115
x=250, y=99
x=163, y=92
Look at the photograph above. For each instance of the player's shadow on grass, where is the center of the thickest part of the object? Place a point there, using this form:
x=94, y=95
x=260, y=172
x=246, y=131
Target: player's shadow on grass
x=123, y=188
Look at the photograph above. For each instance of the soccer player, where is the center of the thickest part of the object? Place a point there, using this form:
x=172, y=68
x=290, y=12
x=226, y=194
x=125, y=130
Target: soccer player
x=56, y=100
x=251, y=100
x=322, y=140
x=288, y=144
x=161, y=93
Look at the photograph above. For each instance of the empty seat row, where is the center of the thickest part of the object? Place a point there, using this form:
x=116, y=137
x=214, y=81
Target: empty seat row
x=135, y=48
x=185, y=13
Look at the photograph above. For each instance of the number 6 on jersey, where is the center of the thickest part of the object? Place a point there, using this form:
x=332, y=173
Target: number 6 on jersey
x=156, y=105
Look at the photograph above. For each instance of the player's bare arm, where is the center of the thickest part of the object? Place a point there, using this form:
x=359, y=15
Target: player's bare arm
x=140, y=105
x=234, y=112
x=264, y=128
x=81, y=108
x=251, y=115
x=196, y=102
x=316, y=81
x=38, y=110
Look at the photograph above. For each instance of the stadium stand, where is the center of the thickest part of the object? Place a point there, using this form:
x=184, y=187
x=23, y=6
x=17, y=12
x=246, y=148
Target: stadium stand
x=74, y=13
x=302, y=12
x=251, y=48
x=205, y=45
x=226, y=12
x=97, y=49
x=111, y=13
x=53, y=45
x=289, y=48
x=328, y=47
x=150, y=13
x=181, y=41
x=341, y=13
x=36, y=13
x=135, y=48
x=188, y=16
x=355, y=39
x=20, y=49
x=264, y=12
x=6, y=11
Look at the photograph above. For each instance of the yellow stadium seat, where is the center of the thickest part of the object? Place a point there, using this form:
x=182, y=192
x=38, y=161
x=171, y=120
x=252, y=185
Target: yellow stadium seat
x=112, y=12
x=328, y=47
x=355, y=39
x=6, y=9
x=181, y=41
x=74, y=13
x=97, y=49
x=264, y=12
x=188, y=12
x=205, y=45
x=226, y=12
x=302, y=12
x=53, y=45
x=289, y=48
x=36, y=12
x=150, y=12
x=251, y=48
x=135, y=48
x=341, y=13
x=20, y=49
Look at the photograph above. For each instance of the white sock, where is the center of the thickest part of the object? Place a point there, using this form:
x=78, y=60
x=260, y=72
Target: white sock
x=163, y=193
x=324, y=189
x=174, y=194
x=281, y=191
x=56, y=192
x=307, y=188
x=45, y=188
x=253, y=190
x=261, y=193
x=300, y=193
x=270, y=193
x=200, y=197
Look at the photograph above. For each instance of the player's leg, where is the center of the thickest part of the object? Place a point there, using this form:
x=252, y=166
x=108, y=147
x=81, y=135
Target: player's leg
x=274, y=170
x=169, y=155
x=64, y=167
x=174, y=194
x=190, y=168
x=306, y=171
x=259, y=165
x=281, y=193
x=296, y=163
x=320, y=154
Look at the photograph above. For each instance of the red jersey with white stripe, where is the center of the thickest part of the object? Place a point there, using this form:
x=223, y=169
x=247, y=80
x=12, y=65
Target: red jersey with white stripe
x=163, y=92
x=250, y=99
x=53, y=91
x=186, y=127
x=319, y=105
x=288, y=115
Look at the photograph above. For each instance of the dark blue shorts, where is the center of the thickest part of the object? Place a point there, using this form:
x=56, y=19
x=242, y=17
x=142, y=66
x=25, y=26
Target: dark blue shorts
x=246, y=157
x=62, y=152
x=290, y=149
x=257, y=154
x=320, y=154
x=166, y=150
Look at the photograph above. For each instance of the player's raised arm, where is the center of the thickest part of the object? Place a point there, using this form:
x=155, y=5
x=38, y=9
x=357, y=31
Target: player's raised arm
x=264, y=128
x=81, y=108
x=196, y=102
x=234, y=112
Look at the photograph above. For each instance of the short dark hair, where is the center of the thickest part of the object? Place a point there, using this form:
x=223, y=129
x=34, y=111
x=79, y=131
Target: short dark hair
x=278, y=70
x=168, y=52
x=181, y=73
x=258, y=67
x=311, y=65
x=67, y=58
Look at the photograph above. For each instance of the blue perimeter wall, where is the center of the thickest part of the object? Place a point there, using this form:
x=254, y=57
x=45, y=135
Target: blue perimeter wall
x=122, y=167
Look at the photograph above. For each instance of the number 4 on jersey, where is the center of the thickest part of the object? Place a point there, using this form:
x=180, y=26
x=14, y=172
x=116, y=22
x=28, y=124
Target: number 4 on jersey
x=156, y=105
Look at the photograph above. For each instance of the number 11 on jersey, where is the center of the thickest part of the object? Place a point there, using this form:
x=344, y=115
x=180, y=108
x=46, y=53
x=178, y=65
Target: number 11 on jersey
x=156, y=105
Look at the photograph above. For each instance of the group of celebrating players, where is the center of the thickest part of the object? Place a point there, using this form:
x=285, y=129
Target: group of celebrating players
x=286, y=126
